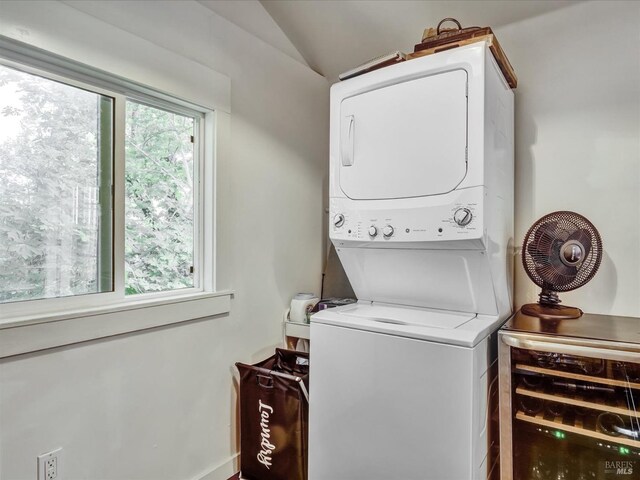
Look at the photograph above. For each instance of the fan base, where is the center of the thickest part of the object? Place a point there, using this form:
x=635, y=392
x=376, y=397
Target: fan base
x=551, y=312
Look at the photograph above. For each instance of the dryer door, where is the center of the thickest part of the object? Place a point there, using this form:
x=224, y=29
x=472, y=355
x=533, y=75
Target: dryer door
x=405, y=140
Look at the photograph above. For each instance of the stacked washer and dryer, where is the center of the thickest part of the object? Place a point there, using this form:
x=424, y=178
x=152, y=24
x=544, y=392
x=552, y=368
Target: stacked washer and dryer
x=421, y=209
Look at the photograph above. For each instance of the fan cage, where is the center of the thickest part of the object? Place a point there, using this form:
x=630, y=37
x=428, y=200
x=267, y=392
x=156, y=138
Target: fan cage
x=541, y=251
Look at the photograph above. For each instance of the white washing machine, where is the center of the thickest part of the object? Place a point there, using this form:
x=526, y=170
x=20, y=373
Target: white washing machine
x=421, y=208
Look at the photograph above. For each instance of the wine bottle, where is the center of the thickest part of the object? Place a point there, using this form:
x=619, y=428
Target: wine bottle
x=614, y=425
x=530, y=405
x=581, y=411
x=544, y=359
x=609, y=424
x=555, y=408
x=575, y=387
x=534, y=381
x=591, y=366
x=534, y=405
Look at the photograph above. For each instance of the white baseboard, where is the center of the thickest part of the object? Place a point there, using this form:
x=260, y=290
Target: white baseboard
x=222, y=472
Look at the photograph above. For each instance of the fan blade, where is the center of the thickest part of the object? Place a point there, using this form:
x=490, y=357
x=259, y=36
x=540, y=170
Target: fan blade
x=546, y=257
x=552, y=270
x=583, y=236
x=560, y=269
x=543, y=240
x=558, y=276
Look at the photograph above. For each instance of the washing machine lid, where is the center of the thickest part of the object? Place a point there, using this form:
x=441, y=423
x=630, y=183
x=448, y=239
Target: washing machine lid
x=456, y=328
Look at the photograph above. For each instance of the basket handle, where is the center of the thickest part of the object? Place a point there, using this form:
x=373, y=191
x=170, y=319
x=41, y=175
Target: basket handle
x=266, y=375
x=265, y=381
x=448, y=19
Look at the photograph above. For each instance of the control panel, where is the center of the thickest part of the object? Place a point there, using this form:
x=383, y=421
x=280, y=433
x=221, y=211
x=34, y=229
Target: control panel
x=461, y=219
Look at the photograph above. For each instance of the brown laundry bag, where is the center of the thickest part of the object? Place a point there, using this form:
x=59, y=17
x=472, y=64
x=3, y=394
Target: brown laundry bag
x=274, y=413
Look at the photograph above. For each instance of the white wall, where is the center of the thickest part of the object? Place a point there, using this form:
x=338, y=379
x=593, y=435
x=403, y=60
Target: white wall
x=578, y=138
x=160, y=404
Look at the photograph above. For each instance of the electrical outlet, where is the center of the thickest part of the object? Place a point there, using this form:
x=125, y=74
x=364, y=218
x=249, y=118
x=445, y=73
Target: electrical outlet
x=49, y=465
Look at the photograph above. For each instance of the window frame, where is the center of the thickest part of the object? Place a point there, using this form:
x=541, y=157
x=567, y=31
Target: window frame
x=49, y=66
x=198, y=188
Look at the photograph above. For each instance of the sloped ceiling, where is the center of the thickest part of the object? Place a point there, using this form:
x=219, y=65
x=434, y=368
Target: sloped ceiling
x=252, y=17
x=336, y=35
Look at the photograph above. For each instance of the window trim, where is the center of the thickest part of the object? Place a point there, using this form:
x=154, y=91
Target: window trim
x=24, y=335
x=31, y=56
x=47, y=65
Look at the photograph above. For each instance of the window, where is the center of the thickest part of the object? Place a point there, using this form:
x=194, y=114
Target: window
x=101, y=199
x=56, y=163
x=159, y=221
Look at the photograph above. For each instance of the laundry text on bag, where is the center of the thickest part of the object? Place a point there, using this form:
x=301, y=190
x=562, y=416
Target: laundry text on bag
x=266, y=447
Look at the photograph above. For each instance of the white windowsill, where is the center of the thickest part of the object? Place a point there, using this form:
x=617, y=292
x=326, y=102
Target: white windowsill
x=101, y=310
x=20, y=335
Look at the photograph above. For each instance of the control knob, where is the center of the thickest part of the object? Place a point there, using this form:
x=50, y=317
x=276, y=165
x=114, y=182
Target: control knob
x=373, y=231
x=338, y=220
x=387, y=231
x=462, y=216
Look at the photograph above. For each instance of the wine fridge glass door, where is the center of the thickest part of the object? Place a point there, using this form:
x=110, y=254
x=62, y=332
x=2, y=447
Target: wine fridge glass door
x=568, y=411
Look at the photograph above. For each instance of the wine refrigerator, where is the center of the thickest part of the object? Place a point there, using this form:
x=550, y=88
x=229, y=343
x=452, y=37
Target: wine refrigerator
x=569, y=398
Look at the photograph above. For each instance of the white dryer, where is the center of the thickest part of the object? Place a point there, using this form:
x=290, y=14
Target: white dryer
x=421, y=208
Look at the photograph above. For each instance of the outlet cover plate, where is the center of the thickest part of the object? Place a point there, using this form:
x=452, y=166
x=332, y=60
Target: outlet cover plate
x=49, y=465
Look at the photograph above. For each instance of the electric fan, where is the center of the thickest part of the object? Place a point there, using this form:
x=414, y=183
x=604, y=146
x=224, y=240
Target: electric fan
x=561, y=252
